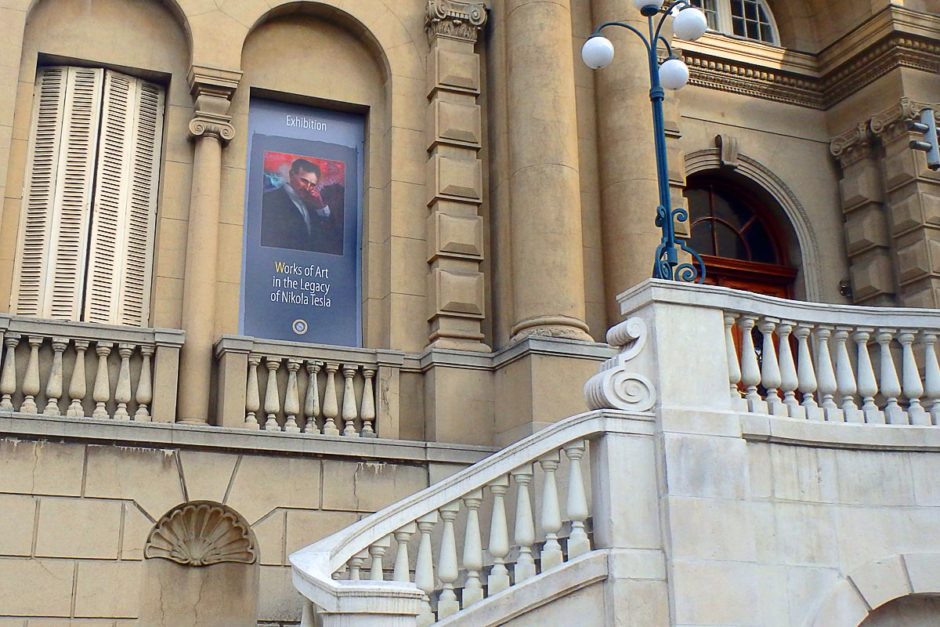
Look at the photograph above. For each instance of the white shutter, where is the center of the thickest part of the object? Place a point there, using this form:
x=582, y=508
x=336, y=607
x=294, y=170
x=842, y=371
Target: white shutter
x=50, y=264
x=118, y=285
x=39, y=192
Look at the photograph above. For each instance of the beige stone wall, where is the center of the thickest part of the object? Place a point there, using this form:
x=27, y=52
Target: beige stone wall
x=76, y=517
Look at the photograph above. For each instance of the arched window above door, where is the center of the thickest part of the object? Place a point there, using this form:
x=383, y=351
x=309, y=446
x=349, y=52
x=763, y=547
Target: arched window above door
x=740, y=238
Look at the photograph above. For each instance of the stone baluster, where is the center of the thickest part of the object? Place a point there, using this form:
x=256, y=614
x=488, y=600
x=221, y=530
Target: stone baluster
x=888, y=379
x=292, y=397
x=551, y=512
x=867, y=385
x=272, y=399
x=122, y=393
x=377, y=552
x=367, y=408
x=750, y=369
x=734, y=367
x=330, y=404
x=424, y=566
x=78, y=385
x=8, y=376
x=101, y=393
x=789, y=382
x=31, y=385
x=144, y=394
x=805, y=372
x=312, y=398
x=472, y=550
x=402, y=572
x=498, y=549
x=55, y=384
x=355, y=565
x=770, y=368
x=845, y=377
x=252, y=395
x=576, y=507
x=350, y=411
x=447, y=572
x=524, y=533
x=932, y=377
x=827, y=375
x=910, y=377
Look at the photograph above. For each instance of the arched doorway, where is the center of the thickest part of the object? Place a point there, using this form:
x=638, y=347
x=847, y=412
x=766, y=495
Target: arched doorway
x=741, y=240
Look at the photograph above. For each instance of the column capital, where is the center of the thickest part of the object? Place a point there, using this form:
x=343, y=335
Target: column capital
x=455, y=19
x=852, y=146
x=891, y=123
x=212, y=90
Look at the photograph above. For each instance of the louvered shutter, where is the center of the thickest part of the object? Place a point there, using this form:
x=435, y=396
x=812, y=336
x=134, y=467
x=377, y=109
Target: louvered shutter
x=118, y=285
x=57, y=196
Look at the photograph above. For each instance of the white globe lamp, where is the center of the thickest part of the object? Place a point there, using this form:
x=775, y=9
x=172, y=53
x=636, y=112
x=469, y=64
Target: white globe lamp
x=690, y=24
x=597, y=52
x=673, y=74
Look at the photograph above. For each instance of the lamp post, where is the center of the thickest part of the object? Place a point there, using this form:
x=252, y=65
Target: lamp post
x=597, y=53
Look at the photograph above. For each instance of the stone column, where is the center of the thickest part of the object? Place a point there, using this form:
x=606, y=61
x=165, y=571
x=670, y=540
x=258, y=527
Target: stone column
x=544, y=186
x=455, y=176
x=211, y=129
x=867, y=240
x=912, y=203
x=629, y=195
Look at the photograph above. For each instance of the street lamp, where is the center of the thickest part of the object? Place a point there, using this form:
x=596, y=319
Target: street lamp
x=597, y=53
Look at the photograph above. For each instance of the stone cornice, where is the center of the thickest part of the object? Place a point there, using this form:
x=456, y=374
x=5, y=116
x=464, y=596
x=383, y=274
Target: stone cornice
x=894, y=38
x=455, y=19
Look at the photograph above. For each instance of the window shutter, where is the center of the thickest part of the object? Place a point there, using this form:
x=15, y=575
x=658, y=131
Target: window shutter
x=118, y=286
x=57, y=196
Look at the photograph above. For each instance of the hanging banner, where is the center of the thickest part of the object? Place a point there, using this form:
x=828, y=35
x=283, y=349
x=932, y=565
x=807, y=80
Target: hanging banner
x=301, y=273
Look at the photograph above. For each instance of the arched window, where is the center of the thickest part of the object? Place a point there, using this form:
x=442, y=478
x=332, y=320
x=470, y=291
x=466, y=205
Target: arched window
x=739, y=237
x=750, y=19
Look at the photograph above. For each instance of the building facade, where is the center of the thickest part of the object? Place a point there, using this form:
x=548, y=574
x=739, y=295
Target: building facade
x=280, y=264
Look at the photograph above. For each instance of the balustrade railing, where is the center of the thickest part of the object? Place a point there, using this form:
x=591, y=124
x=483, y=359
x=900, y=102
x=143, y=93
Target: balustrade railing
x=82, y=370
x=510, y=517
x=306, y=388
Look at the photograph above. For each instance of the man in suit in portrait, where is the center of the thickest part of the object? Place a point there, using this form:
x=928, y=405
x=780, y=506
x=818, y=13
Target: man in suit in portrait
x=295, y=216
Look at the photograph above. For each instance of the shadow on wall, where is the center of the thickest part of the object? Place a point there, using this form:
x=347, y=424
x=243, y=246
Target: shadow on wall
x=201, y=569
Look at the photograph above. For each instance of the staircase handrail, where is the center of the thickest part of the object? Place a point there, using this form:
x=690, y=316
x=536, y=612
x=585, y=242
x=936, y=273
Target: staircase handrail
x=314, y=565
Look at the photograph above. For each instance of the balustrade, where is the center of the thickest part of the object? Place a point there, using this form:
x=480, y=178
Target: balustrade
x=304, y=388
x=845, y=372
x=45, y=369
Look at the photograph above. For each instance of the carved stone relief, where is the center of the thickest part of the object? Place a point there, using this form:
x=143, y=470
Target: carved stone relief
x=202, y=533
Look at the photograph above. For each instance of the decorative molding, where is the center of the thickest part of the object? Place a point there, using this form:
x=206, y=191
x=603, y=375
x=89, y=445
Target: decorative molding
x=728, y=150
x=754, y=70
x=455, y=19
x=891, y=123
x=202, y=533
x=207, y=126
x=615, y=387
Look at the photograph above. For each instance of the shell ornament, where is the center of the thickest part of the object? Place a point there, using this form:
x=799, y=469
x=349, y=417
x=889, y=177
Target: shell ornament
x=202, y=533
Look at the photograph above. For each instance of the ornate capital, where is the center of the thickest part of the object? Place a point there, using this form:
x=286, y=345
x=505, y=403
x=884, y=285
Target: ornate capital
x=891, y=123
x=455, y=19
x=212, y=90
x=852, y=146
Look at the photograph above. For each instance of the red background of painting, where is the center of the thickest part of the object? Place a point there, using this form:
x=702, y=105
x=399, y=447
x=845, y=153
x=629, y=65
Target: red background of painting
x=279, y=163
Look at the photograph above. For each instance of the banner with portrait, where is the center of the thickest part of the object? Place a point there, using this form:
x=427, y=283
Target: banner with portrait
x=301, y=274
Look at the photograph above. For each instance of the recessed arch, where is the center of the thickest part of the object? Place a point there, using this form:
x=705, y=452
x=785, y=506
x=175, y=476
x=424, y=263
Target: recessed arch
x=760, y=175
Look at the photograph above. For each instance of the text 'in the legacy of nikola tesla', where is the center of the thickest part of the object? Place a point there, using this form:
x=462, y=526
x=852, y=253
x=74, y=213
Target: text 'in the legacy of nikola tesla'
x=296, y=284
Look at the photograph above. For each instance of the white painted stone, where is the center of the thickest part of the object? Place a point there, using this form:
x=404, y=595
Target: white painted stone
x=806, y=535
x=711, y=529
x=706, y=466
x=881, y=581
x=923, y=569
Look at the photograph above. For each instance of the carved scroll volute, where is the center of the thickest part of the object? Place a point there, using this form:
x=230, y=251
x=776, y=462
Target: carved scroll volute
x=615, y=387
x=455, y=19
x=202, y=533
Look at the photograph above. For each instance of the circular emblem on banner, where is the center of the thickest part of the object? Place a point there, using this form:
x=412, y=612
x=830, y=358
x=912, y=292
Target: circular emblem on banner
x=299, y=326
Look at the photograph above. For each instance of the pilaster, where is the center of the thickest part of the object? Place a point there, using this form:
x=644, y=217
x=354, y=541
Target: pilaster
x=867, y=239
x=211, y=130
x=912, y=203
x=455, y=176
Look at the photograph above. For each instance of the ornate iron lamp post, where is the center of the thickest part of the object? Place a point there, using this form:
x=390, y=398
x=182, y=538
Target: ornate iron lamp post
x=597, y=52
